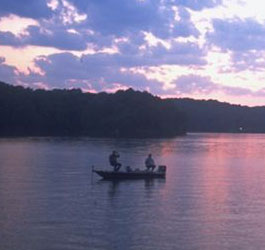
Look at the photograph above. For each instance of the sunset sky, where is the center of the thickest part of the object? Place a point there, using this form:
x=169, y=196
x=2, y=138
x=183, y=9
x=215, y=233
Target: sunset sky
x=203, y=49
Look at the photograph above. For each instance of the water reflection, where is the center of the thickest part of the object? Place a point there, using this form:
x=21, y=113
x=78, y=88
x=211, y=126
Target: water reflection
x=116, y=186
x=113, y=188
x=213, y=196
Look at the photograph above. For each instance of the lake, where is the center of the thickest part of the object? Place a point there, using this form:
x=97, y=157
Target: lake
x=213, y=196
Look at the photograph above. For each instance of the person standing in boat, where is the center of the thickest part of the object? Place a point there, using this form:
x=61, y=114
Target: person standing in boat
x=150, y=163
x=113, y=160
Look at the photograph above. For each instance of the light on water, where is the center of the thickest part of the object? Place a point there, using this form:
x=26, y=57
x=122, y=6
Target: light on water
x=213, y=196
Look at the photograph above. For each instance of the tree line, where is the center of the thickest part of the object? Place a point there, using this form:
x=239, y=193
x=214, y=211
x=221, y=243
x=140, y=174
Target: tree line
x=28, y=112
x=129, y=113
x=214, y=116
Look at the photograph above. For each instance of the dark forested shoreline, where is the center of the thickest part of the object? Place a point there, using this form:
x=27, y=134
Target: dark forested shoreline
x=221, y=117
x=27, y=112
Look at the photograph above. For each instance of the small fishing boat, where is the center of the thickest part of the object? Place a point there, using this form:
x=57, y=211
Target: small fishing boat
x=130, y=174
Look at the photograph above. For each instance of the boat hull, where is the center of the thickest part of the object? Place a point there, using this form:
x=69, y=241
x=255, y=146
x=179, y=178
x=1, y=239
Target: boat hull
x=110, y=175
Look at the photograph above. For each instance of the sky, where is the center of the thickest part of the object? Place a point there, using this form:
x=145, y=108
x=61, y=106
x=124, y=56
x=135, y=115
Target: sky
x=203, y=49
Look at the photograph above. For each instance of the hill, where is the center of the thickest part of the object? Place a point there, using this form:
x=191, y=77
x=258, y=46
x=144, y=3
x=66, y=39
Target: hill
x=214, y=116
x=27, y=112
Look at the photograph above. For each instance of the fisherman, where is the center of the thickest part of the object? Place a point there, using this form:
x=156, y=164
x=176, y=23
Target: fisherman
x=150, y=163
x=113, y=160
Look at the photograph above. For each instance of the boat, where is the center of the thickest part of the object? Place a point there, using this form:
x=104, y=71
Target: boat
x=130, y=174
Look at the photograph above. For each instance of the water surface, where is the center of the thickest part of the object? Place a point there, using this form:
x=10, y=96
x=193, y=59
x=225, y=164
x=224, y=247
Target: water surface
x=213, y=196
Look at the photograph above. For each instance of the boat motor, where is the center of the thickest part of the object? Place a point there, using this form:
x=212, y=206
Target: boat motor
x=162, y=169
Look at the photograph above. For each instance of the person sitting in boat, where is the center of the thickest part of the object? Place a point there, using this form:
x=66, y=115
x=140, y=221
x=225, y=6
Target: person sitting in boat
x=150, y=163
x=113, y=160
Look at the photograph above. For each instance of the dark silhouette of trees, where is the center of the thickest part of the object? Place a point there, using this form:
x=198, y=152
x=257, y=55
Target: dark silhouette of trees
x=214, y=116
x=27, y=112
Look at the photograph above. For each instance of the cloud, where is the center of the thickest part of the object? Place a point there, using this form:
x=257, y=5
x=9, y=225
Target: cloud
x=196, y=84
x=237, y=91
x=100, y=21
x=190, y=84
x=260, y=93
x=27, y=8
x=116, y=67
x=244, y=39
x=8, y=38
x=250, y=60
x=118, y=15
x=104, y=23
x=104, y=70
x=7, y=73
x=180, y=53
x=56, y=38
x=92, y=72
x=238, y=34
x=197, y=5
x=124, y=17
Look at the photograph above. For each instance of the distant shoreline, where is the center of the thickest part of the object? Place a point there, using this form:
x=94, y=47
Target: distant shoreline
x=124, y=114
x=122, y=138
x=87, y=136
